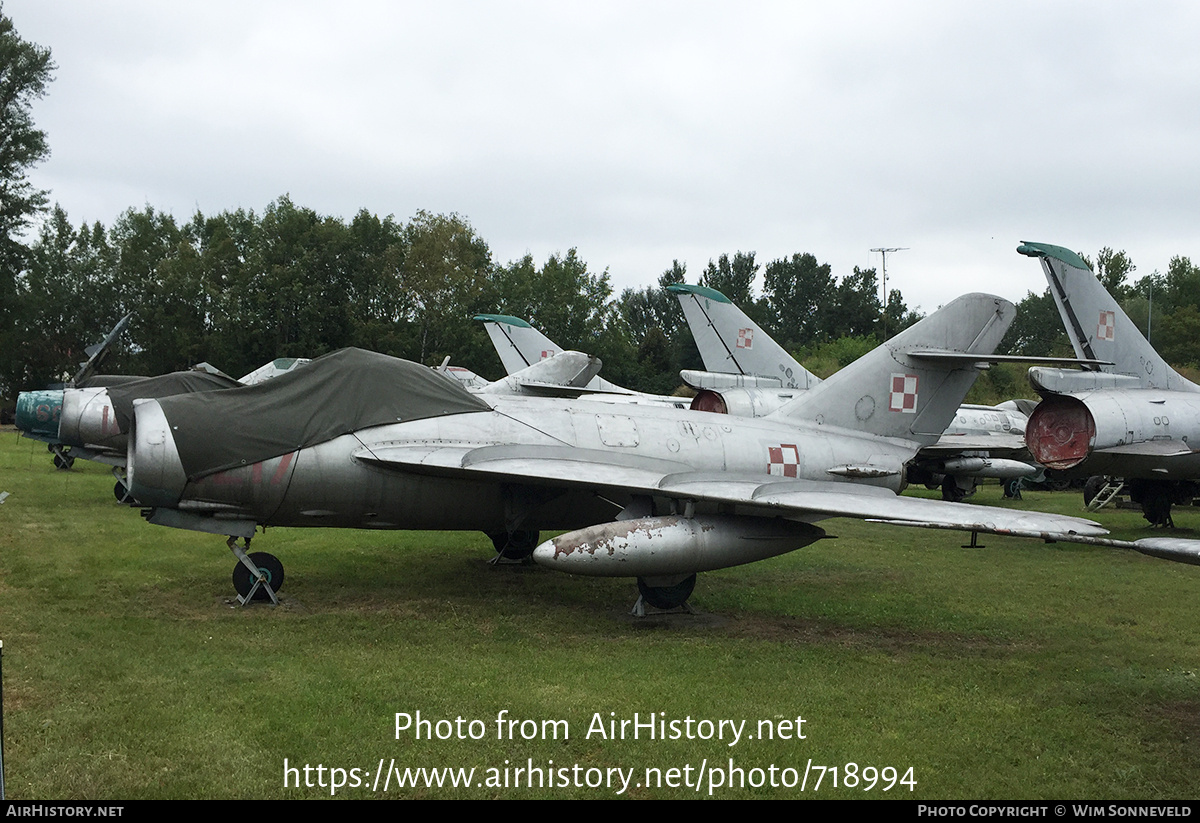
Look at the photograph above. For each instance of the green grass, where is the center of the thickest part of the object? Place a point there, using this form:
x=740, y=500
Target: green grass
x=1019, y=670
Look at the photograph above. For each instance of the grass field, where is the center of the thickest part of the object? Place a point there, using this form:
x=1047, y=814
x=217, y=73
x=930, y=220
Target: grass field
x=1019, y=670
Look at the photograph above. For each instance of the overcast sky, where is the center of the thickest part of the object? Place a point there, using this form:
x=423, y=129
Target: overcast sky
x=645, y=132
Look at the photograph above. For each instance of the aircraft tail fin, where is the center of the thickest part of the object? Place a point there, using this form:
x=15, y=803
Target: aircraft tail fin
x=912, y=385
x=1095, y=323
x=732, y=343
x=519, y=344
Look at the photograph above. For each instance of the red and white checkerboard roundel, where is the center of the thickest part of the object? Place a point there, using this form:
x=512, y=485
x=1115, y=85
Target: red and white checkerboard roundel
x=745, y=338
x=783, y=460
x=1107, y=328
x=904, y=393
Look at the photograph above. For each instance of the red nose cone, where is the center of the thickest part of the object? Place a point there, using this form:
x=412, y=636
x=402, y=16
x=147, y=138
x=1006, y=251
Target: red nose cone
x=1060, y=432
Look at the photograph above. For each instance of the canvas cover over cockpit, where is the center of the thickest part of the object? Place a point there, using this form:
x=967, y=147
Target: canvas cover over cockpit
x=123, y=394
x=340, y=393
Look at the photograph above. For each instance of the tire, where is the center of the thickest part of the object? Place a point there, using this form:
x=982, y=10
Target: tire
x=269, y=564
x=1092, y=487
x=667, y=597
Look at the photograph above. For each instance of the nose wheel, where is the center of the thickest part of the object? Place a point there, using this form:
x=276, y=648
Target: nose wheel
x=256, y=576
x=63, y=459
x=121, y=488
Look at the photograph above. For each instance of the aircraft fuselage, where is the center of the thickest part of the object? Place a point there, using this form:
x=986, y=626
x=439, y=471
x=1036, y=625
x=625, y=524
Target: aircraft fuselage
x=358, y=481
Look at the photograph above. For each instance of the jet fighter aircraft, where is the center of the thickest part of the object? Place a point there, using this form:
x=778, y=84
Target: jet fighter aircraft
x=565, y=374
x=42, y=413
x=751, y=375
x=361, y=440
x=520, y=346
x=1136, y=419
x=90, y=418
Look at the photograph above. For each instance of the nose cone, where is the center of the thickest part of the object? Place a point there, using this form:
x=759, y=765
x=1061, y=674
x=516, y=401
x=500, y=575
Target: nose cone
x=154, y=471
x=38, y=413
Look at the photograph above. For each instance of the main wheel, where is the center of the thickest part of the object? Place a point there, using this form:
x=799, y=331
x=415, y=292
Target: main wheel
x=667, y=597
x=951, y=490
x=515, y=545
x=270, y=566
x=1057, y=483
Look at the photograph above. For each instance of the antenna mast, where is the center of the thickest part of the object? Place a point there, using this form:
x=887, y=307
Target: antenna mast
x=884, y=253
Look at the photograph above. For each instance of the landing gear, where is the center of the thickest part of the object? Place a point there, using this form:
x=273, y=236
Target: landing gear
x=121, y=489
x=953, y=489
x=63, y=459
x=663, y=593
x=1057, y=483
x=1094, y=485
x=1012, y=488
x=121, y=492
x=514, y=545
x=1157, y=497
x=256, y=576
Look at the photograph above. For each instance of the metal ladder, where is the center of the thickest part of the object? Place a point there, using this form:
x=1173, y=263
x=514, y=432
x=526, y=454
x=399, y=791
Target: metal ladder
x=1105, y=496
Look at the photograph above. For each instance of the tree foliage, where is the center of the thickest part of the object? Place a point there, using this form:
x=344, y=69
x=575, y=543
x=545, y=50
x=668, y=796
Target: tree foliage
x=238, y=289
x=25, y=71
x=798, y=290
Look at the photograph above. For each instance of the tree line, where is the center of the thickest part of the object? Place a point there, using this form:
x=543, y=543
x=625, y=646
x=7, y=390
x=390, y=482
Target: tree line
x=239, y=288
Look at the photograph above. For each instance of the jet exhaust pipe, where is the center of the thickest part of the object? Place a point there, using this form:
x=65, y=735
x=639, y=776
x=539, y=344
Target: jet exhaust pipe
x=1060, y=432
x=673, y=545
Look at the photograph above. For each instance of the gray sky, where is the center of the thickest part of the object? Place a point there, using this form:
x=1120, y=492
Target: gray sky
x=644, y=132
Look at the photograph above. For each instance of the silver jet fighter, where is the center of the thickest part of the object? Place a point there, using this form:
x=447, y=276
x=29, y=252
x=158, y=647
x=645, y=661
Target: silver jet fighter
x=565, y=374
x=361, y=440
x=91, y=418
x=38, y=412
x=1136, y=420
x=521, y=346
x=751, y=375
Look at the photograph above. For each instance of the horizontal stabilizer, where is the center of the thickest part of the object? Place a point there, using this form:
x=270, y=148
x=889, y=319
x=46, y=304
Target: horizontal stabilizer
x=963, y=357
x=991, y=443
x=1065, y=381
x=716, y=380
x=1150, y=448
